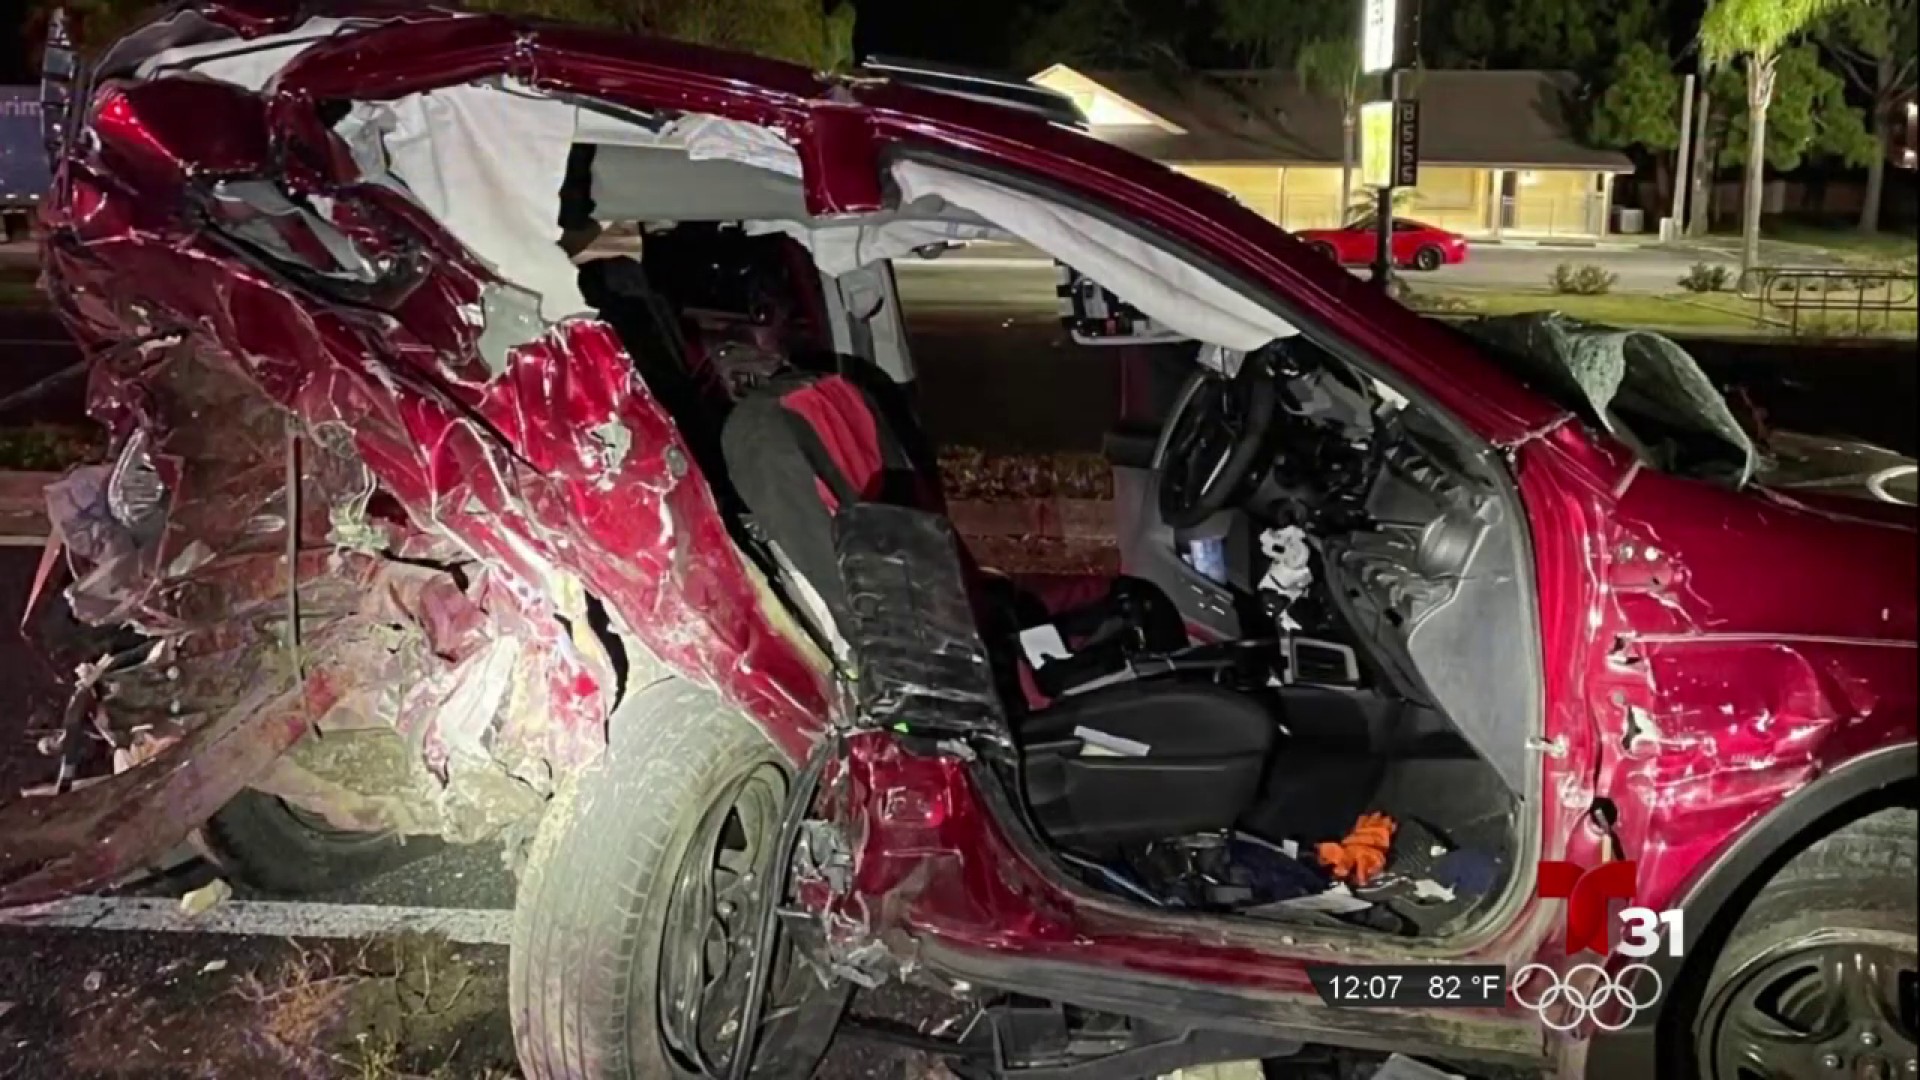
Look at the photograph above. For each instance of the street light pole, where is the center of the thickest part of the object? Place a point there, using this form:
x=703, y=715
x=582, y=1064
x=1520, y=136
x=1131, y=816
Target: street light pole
x=1382, y=53
x=1681, y=164
x=1383, y=212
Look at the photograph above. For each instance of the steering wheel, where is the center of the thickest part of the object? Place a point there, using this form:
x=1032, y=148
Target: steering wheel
x=1212, y=440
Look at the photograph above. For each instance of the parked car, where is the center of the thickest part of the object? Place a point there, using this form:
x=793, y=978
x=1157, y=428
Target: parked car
x=639, y=567
x=1415, y=244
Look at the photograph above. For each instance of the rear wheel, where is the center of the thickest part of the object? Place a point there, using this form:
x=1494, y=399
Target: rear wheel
x=1819, y=977
x=1327, y=251
x=636, y=919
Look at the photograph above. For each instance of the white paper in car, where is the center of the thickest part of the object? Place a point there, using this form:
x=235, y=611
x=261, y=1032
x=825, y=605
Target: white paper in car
x=1100, y=744
x=1043, y=643
x=1338, y=900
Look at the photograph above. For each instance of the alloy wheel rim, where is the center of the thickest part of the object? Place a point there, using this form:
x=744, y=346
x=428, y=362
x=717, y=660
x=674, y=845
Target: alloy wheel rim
x=713, y=920
x=1834, y=1008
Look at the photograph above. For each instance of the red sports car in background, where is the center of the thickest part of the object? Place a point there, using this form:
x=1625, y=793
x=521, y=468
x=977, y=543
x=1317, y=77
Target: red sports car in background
x=1415, y=244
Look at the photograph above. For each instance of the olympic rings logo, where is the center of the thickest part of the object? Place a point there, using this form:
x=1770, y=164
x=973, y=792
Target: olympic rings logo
x=1578, y=1003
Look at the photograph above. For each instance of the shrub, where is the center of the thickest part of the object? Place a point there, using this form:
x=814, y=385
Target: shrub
x=1705, y=278
x=1589, y=280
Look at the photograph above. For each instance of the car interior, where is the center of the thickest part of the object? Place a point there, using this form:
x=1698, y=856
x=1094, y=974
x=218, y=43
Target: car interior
x=1309, y=696
x=1316, y=574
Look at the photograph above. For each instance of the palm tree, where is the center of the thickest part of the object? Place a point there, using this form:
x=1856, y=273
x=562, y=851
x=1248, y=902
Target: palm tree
x=1330, y=67
x=1754, y=32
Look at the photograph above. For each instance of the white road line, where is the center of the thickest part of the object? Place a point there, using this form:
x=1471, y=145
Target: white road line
x=265, y=918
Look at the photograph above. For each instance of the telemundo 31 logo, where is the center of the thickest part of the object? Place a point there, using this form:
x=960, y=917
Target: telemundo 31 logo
x=1587, y=993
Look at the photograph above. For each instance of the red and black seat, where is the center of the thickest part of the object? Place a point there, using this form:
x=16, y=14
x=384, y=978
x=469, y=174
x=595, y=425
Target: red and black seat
x=1130, y=763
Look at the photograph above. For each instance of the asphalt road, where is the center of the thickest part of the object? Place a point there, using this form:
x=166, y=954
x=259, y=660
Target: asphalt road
x=160, y=1005
x=1016, y=270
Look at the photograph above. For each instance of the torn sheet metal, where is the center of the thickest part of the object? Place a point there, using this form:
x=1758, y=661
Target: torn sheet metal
x=515, y=512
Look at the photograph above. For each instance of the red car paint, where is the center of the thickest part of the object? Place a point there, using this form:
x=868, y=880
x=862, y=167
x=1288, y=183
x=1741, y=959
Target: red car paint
x=1760, y=645
x=1359, y=243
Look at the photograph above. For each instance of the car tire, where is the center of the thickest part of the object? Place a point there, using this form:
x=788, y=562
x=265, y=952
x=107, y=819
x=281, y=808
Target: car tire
x=1846, y=904
x=263, y=843
x=1327, y=251
x=1429, y=259
x=593, y=953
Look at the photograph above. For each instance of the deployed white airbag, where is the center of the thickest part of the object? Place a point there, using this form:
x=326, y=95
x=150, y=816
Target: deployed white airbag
x=1165, y=288
x=488, y=163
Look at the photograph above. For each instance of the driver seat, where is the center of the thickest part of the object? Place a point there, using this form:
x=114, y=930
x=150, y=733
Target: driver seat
x=1125, y=764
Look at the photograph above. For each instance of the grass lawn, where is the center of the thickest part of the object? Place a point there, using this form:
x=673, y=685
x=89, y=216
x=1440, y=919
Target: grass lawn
x=1681, y=312
x=1877, y=249
x=1881, y=250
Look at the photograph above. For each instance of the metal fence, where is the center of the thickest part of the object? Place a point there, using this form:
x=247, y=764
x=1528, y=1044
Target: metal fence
x=1833, y=301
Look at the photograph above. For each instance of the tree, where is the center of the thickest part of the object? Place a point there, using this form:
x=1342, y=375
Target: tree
x=1809, y=117
x=1875, y=44
x=1638, y=112
x=1318, y=42
x=1472, y=36
x=1095, y=33
x=1753, y=33
x=1553, y=33
x=802, y=31
x=1366, y=206
x=93, y=24
x=1633, y=22
x=1330, y=67
x=1641, y=104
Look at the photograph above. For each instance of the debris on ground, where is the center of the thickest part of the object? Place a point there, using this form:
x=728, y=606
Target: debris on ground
x=205, y=898
x=394, y=1008
x=1401, y=1067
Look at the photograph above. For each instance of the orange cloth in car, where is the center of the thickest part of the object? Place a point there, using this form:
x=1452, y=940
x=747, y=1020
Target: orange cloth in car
x=1363, y=853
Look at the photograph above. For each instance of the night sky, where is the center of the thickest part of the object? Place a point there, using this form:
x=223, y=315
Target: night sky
x=977, y=32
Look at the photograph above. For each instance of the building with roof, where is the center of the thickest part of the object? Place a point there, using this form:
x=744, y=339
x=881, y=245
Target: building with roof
x=1498, y=152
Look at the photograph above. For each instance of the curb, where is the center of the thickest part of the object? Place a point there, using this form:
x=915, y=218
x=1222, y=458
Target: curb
x=1566, y=245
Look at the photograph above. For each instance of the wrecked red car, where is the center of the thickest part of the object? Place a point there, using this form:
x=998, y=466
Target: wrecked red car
x=433, y=514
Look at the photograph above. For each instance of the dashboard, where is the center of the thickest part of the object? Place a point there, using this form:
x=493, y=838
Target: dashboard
x=1418, y=554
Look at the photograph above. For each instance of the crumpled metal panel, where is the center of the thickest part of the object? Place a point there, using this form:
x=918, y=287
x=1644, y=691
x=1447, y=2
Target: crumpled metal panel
x=535, y=467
